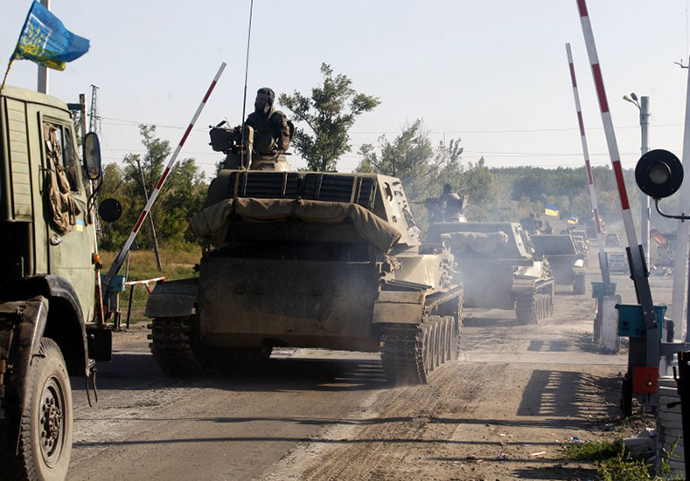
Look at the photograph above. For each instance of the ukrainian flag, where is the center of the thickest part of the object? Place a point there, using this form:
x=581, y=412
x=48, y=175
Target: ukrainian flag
x=552, y=210
x=46, y=41
x=572, y=220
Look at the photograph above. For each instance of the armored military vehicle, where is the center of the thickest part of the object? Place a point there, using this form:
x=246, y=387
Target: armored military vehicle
x=49, y=281
x=496, y=264
x=307, y=259
x=567, y=263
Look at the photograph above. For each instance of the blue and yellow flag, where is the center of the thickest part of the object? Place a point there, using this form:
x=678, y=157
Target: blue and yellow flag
x=46, y=41
x=551, y=210
x=572, y=220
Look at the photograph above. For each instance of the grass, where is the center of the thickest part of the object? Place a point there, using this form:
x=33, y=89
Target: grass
x=177, y=264
x=615, y=463
x=597, y=451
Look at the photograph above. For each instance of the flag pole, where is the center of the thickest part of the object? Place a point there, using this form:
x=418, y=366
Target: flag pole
x=42, y=69
x=9, y=66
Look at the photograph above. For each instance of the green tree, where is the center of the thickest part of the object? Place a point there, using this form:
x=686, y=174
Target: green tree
x=329, y=113
x=181, y=197
x=425, y=169
x=478, y=183
x=407, y=157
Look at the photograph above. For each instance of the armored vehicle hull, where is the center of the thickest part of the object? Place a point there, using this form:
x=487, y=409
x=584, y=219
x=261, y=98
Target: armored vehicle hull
x=317, y=260
x=497, y=269
x=567, y=264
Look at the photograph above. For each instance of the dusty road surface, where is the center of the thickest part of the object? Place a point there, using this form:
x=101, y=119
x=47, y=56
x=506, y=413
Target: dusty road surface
x=519, y=394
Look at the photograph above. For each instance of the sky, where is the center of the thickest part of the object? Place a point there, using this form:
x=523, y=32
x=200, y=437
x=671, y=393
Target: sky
x=493, y=74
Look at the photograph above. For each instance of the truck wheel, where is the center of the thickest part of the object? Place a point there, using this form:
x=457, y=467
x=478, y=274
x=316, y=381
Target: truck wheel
x=45, y=437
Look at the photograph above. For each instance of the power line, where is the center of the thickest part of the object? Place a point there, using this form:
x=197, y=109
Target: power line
x=111, y=121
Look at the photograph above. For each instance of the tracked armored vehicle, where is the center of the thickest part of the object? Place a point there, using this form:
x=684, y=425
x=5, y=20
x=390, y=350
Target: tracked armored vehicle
x=497, y=266
x=567, y=263
x=307, y=259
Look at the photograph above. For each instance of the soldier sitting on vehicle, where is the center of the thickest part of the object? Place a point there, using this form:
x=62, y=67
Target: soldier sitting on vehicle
x=272, y=130
x=452, y=204
x=446, y=208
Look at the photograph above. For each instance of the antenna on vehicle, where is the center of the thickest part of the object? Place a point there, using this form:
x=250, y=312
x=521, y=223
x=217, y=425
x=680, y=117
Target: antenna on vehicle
x=246, y=73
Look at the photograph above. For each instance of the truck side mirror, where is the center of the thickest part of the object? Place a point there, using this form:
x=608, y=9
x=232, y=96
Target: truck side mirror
x=659, y=173
x=92, y=156
x=110, y=210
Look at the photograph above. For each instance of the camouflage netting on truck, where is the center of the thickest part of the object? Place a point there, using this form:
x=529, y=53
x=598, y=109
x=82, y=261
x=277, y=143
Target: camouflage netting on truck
x=477, y=242
x=213, y=222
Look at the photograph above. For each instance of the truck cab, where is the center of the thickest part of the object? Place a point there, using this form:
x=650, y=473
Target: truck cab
x=49, y=280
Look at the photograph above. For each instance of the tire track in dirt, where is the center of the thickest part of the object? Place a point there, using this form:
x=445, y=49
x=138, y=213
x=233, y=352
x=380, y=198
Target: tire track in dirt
x=383, y=440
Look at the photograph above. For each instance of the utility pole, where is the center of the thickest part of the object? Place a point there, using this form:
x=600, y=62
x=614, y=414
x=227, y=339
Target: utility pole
x=94, y=118
x=645, y=211
x=43, y=71
x=153, y=228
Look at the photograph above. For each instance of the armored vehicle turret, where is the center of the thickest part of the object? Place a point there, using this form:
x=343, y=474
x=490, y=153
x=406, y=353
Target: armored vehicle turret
x=308, y=259
x=497, y=267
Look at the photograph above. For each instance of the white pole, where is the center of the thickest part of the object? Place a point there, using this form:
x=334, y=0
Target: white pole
x=680, y=267
x=43, y=86
x=644, y=199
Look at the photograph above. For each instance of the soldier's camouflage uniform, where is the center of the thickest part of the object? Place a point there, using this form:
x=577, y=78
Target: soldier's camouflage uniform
x=271, y=132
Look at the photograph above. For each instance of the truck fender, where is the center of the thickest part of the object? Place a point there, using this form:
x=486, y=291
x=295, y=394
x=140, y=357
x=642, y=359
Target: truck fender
x=21, y=327
x=64, y=302
x=173, y=299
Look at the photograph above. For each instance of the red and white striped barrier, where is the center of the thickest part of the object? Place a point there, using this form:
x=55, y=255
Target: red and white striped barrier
x=119, y=260
x=603, y=262
x=145, y=282
x=637, y=267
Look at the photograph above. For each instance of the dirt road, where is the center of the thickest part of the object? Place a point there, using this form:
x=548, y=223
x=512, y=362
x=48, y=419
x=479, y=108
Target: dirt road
x=503, y=412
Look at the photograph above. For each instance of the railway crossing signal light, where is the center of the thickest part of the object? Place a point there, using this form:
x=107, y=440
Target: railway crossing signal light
x=659, y=173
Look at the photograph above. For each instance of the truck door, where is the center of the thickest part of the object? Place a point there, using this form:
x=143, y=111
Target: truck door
x=71, y=239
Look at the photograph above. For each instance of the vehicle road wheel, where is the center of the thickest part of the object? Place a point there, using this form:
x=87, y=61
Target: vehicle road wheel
x=527, y=308
x=45, y=433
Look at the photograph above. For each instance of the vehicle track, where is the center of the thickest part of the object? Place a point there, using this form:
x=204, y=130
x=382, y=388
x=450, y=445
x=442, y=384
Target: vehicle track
x=400, y=422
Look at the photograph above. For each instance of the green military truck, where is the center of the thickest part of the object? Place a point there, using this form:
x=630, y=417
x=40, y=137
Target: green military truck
x=49, y=281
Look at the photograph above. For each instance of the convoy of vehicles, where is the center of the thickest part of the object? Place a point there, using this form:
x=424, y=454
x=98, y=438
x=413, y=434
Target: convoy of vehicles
x=300, y=259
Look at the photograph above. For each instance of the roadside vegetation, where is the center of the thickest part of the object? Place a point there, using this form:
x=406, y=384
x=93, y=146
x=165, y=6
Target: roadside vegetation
x=615, y=463
x=178, y=263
